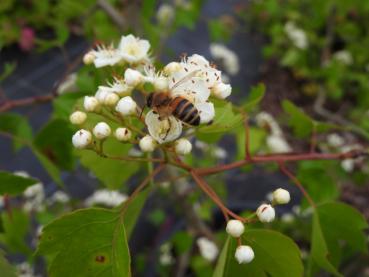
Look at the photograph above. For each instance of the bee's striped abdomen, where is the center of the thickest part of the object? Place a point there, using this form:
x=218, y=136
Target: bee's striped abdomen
x=185, y=111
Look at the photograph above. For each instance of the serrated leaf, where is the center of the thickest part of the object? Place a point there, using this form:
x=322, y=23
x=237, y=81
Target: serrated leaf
x=269, y=259
x=225, y=119
x=5, y=268
x=112, y=173
x=18, y=126
x=13, y=184
x=254, y=98
x=88, y=242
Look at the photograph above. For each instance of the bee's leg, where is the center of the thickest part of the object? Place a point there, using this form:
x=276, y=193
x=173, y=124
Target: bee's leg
x=170, y=127
x=142, y=110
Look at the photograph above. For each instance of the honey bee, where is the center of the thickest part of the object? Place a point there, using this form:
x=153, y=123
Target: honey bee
x=181, y=108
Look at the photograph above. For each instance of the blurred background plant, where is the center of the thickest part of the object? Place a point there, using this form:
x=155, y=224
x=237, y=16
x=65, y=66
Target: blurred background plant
x=314, y=56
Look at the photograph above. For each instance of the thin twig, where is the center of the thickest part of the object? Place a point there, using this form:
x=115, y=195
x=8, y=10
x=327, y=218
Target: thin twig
x=115, y=16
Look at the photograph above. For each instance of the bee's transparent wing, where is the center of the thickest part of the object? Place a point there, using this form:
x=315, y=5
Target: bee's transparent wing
x=185, y=78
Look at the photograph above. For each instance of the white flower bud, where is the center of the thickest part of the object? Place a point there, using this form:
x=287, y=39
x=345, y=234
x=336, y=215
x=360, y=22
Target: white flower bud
x=101, y=94
x=89, y=57
x=208, y=249
x=265, y=213
x=111, y=99
x=277, y=144
x=235, y=228
x=244, y=254
x=81, y=139
x=123, y=134
x=126, y=106
x=183, y=146
x=101, y=130
x=172, y=67
x=281, y=196
x=77, y=118
x=90, y=103
x=147, y=144
x=222, y=90
x=161, y=84
x=133, y=77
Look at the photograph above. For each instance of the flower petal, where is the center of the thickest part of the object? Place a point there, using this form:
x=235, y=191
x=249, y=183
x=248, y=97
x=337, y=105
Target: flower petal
x=206, y=111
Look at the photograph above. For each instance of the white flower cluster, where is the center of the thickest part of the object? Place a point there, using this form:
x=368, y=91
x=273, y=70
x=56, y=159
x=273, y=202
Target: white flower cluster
x=193, y=80
x=106, y=197
x=275, y=139
x=296, y=35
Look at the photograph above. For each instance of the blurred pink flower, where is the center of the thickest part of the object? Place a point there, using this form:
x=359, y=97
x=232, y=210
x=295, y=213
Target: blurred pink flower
x=27, y=39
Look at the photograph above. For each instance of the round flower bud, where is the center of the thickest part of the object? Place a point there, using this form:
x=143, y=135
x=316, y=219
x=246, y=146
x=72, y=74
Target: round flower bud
x=183, y=146
x=126, y=106
x=111, y=99
x=281, y=196
x=81, y=139
x=89, y=57
x=265, y=213
x=208, y=249
x=77, y=118
x=101, y=130
x=222, y=90
x=172, y=67
x=235, y=228
x=244, y=254
x=161, y=84
x=132, y=77
x=147, y=144
x=90, y=103
x=123, y=134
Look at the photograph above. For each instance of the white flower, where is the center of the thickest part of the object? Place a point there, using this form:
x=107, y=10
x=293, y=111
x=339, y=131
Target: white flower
x=69, y=84
x=159, y=81
x=296, y=35
x=265, y=213
x=172, y=68
x=281, y=196
x=165, y=14
x=81, y=139
x=166, y=257
x=219, y=153
x=126, y=106
x=222, y=90
x=266, y=120
x=133, y=77
x=89, y=57
x=208, y=249
x=343, y=57
x=348, y=165
x=335, y=140
x=235, y=228
x=123, y=134
x=106, y=55
x=133, y=50
x=163, y=130
x=90, y=103
x=102, y=130
x=106, y=197
x=287, y=218
x=101, y=94
x=35, y=196
x=59, y=197
x=147, y=144
x=77, y=118
x=244, y=254
x=183, y=146
x=227, y=56
x=277, y=144
x=36, y=190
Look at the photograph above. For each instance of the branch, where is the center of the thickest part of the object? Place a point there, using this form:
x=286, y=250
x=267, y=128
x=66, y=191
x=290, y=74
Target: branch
x=115, y=16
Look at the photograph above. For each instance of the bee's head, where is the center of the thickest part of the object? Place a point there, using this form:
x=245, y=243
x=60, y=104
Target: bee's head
x=149, y=100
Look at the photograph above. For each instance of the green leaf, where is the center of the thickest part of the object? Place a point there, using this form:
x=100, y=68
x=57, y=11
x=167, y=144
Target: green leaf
x=256, y=95
x=64, y=104
x=225, y=119
x=269, y=259
x=5, y=268
x=319, y=249
x=16, y=226
x=112, y=173
x=18, y=126
x=221, y=266
x=301, y=123
x=8, y=69
x=54, y=142
x=50, y=168
x=88, y=242
x=14, y=184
